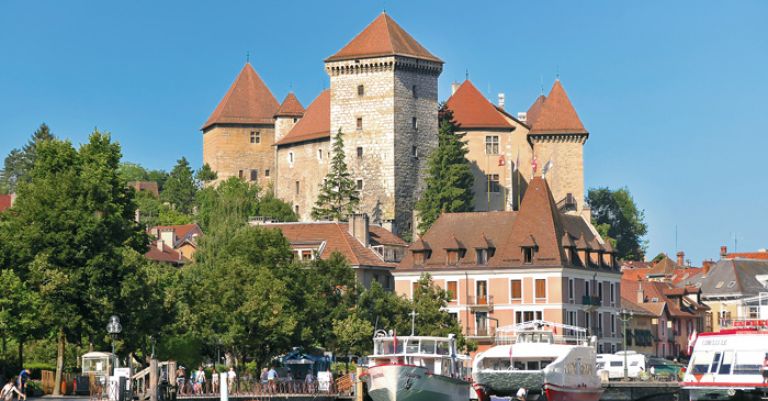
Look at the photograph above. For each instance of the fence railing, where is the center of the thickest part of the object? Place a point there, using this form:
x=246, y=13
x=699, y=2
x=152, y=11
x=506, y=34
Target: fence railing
x=255, y=387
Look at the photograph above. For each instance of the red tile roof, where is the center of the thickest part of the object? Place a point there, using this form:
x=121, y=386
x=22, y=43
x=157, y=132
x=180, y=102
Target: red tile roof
x=472, y=110
x=338, y=239
x=383, y=37
x=747, y=255
x=149, y=186
x=167, y=255
x=181, y=232
x=534, y=110
x=291, y=107
x=316, y=123
x=5, y=202
x=248, y=101
x=555, y=114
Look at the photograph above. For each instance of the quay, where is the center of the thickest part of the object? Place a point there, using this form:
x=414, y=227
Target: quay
x=643, y=391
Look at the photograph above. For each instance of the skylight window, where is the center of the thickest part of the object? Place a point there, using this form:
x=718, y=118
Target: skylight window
x=720, y=284
x=731, y=284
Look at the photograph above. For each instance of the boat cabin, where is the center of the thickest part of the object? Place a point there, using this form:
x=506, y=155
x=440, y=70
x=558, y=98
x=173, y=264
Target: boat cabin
x=437, y=354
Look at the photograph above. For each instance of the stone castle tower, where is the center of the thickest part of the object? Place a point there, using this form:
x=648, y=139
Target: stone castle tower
x=384, y=100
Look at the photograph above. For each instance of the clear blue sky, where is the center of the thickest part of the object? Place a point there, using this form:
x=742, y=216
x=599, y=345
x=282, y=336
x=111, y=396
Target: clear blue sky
x=672, y=92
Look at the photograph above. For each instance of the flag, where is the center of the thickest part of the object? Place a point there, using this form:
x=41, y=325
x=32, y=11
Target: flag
x=692, y=341
x=517, y=161
x=547, y=166
x=502, y=160
x=395, y=340
x=533, y=166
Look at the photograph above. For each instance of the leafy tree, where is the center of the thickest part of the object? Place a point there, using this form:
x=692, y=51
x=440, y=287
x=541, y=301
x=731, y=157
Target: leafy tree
x=429, y=302
x=275, y=208
x=135, y=172
x=338, y=196
x=180, y=189
x=18, y=163
x=206, y=174
x=70, y=222
x=19, y=311
x=153, y=212
x=353, y=335
x=449, y=179
x=625, y=222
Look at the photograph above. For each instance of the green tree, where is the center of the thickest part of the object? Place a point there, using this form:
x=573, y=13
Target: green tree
x=18, y=163
x=71, y=219
x=625, y=222
x=429, y=302
x=449, y=178
x=338, y=196
x=19, y=311
x=153, y=212
x=180, y=189
x=206, y=174
x=353, y=336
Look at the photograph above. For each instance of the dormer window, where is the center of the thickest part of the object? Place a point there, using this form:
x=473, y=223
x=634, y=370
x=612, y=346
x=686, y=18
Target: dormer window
x=482, y=256
x=453, y=256
x=420, y=257
x=527, y=255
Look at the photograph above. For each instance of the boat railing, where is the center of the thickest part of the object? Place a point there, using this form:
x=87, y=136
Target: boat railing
x=557, y=332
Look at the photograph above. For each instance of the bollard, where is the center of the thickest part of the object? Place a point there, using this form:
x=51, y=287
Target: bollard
x=153, y=379
x=223, y=390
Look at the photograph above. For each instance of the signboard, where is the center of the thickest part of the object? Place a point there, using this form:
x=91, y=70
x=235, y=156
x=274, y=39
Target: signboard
x=324, y=381
x=751, y=323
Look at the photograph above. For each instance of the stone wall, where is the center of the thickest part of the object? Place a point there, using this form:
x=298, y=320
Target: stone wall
x=283, y=125
x=308, y=168
x=567, y=155
x=228, y=150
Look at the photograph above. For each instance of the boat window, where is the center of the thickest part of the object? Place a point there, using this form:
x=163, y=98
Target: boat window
x=747, y=363
x=544, y=364
x=701, y=362
x=532, y=365
x=519, y=365
x=412, y=347
x=725, y=365
x=427, y=347
x=616, y=363
x=715, y=362
x=443, y=349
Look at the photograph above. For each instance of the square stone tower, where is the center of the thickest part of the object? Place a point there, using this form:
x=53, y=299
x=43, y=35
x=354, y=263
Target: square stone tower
x=384, y=100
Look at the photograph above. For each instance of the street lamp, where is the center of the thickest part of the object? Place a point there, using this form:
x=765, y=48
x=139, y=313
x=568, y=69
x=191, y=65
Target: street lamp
x=114, y=328
x=625, y=317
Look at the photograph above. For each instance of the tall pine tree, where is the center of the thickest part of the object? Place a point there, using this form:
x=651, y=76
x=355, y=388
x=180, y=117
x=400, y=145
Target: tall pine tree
x=180, y=188
x=449, y=180
x=19, y=162
x=338, y=194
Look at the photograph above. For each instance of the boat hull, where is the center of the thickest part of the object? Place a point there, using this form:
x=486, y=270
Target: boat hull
x=413, y=383
x=557, y=393
x=738, y=392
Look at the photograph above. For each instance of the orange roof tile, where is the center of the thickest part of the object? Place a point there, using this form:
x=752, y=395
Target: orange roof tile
x=472, y=110
x=291, y=107
x=248, y=101
x=5, y=202
x=534, y=110
x=747, y=255
x=383, y=37
x=167, y=255
x=316, y=123
x=555, y=114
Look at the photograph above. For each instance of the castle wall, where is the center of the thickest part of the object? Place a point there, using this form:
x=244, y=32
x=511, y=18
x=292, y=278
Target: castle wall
x=228, y=150
x=283, y=125
x=567, y=173
x=308, y=169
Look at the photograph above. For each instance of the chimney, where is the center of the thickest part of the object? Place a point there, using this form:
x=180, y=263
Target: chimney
x=501, y=100
x=137, y=215
x=168, y=236
x=640, y=294
x=159, y=244
x=454, y=88
x=681, y=258
x=522, y=116
x=723, y=251
x=358, y=228
x=707, y=265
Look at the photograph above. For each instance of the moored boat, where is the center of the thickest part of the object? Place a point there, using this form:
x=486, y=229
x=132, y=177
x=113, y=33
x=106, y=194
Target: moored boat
x=416, y=368
x=532, y=356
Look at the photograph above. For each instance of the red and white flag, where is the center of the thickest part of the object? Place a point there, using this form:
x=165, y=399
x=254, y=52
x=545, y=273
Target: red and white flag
x=502, y=160
x=692, y=341
x=533, y=166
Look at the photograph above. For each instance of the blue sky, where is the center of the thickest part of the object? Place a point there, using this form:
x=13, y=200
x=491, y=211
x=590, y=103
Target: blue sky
x=673, y=93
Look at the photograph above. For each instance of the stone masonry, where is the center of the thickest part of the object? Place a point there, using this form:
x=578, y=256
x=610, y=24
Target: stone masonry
x=230, y=153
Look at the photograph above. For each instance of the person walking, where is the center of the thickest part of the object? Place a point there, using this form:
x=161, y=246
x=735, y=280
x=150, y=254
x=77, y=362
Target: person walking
x=272, y=379
x=180, y=379
x=215, y=381
x=765, y=369
x=200, y=381
x=231, y=377
x=22, y=381
x=6, y=394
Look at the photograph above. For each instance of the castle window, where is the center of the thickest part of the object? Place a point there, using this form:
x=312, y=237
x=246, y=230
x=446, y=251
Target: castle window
x=527, y=254
x=359, y=123
x=359, y=152
x=414, y=123
x=254, y=175
x=413, y=90
x=255, y=137
x=320, y=154
x=360, y=90
x=359, y=185
x=493, y=183
x=414, y=151
x=296, y=209
x=240, y=174
x=266, y=173
x=492, y=145
x=297, y=187
x=290, y=157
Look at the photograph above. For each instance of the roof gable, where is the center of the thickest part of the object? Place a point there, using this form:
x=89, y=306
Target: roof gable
x=555, y=114
x=383, y=37
x=472, y=110
x=316, y=123
x=291, y=107
x=248, y=101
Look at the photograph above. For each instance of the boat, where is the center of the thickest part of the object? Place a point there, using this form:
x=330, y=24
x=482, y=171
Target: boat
x=534, y=357
x=416, y=368
x=727, y=365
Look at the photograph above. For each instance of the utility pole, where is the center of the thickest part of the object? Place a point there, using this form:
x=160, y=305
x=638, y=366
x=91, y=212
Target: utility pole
x=413, y=322
x=625, y=317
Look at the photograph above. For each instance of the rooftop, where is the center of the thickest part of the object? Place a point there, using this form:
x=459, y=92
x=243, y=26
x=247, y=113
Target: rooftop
x=316, y=123
x=248, y=101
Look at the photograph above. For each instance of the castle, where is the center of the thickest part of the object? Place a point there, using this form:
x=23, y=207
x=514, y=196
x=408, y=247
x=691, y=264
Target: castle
x=383, y=97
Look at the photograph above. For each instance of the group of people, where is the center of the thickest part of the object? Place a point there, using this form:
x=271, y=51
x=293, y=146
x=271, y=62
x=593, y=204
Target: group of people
x=198, y=382
x=16, y=387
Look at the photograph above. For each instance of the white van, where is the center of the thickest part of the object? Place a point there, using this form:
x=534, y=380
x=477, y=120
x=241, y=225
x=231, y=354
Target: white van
x=614, y=364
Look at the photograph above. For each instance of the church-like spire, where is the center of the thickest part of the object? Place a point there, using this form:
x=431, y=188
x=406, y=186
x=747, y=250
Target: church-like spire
x=248, y=101
x=291, y=107
x=555, y=114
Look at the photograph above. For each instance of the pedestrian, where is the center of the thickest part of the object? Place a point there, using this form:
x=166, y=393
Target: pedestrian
x=522, y=393
x=231, y=377
x=180, y=379
x=309, y=381
x=6, y=394
x=653, y=372
x=272, y=379
x=200, y=380
x=263, y=379
x=215, y=381
x=765, y=369
x=22, y=381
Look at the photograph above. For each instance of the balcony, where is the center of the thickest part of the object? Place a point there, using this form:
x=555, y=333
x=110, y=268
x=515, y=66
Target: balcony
x=481, y=335
x=480, y=303
x=591, y=300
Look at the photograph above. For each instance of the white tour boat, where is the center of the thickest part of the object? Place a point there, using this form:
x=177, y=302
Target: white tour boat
x=416, y=368
x=535, y=357
x=728, y=365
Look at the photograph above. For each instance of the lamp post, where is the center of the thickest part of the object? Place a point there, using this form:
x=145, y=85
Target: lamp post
x=114, y=328
x=625, y=317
